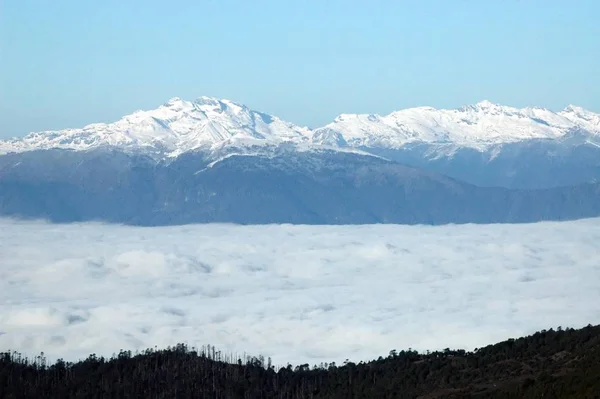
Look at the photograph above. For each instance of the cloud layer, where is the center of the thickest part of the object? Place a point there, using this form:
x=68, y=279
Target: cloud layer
x=295, y=293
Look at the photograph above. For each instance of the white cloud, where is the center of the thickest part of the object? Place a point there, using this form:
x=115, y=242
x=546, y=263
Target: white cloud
x=295, y=293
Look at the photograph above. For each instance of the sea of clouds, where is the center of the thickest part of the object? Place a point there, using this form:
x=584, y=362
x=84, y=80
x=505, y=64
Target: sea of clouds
x=295, y=293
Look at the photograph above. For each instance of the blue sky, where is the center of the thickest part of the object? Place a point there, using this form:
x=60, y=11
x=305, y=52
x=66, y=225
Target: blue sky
x=66, y=63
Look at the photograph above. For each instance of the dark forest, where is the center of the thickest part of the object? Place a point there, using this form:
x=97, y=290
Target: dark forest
x=555, y=363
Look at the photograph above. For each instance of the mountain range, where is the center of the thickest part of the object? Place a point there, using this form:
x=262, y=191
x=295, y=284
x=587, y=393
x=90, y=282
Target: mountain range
x=213, y=160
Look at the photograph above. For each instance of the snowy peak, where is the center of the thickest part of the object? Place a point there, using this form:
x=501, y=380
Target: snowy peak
x=175, y=127
x=574, y=109
x=584, y=118
x=476, y=126
x=173, y=102
x=218, y=125
x=485, y=106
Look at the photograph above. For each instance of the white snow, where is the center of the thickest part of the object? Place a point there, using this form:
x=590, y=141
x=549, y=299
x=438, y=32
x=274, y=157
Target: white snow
x=295, y=293
x=176, y=127
x=476, y=126
x=215, y=125
x=581, y=117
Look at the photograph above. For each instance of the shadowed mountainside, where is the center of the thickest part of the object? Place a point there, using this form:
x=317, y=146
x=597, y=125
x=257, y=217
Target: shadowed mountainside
x=325, y=187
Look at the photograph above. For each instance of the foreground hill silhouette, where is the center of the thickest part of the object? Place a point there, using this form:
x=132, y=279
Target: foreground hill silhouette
x=550, y=364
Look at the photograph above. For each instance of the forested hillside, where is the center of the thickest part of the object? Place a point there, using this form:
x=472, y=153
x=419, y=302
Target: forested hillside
x=550, y=364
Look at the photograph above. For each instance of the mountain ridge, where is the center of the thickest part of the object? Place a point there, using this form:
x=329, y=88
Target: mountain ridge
x=208, y=123
x=484, y=144
x=175, y=127
x=476, y=126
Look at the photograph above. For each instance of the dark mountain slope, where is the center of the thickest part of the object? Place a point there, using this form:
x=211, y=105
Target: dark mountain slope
x=532, y=164
x=292, y=187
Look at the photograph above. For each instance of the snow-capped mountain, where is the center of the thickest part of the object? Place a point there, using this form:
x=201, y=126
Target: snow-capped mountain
x=484, y=144
x=207, y=123
x=213, y=160
x=174, y=128
x=476, y=126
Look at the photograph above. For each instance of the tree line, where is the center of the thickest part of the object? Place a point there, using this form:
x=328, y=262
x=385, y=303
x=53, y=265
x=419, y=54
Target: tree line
x=555, y=363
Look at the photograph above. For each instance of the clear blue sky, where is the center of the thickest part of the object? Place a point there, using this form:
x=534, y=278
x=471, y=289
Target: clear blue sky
x=66, y=63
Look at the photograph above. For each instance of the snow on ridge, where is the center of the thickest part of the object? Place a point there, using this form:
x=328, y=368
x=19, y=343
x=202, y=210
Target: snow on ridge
x=175, y=127
x=178, y=126
x=476, y=126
